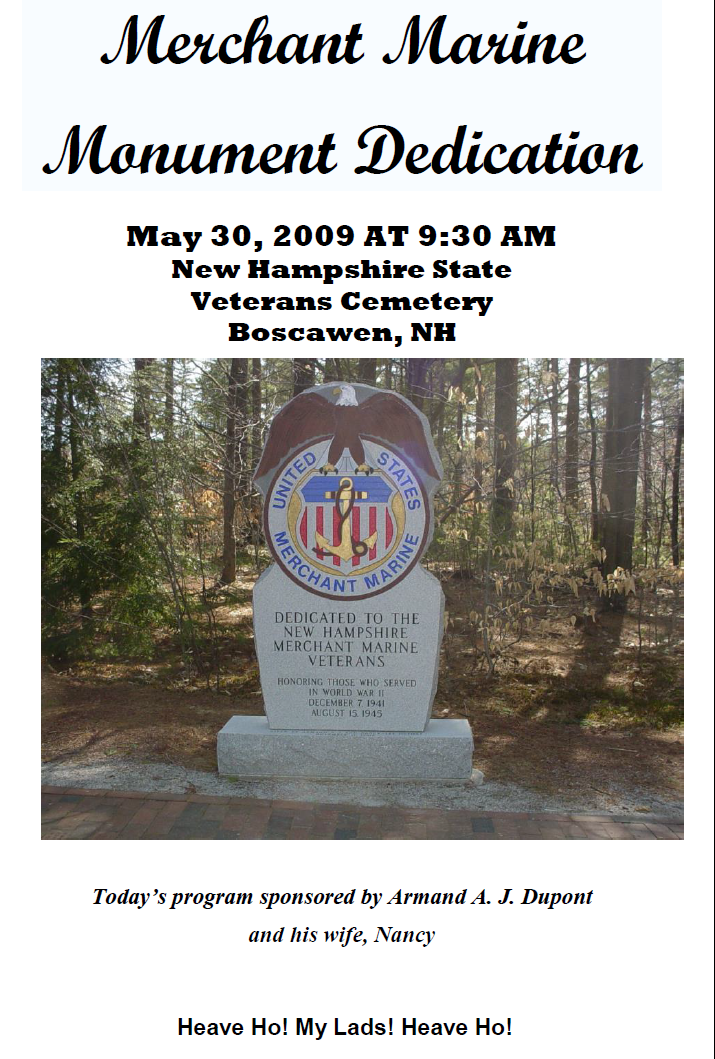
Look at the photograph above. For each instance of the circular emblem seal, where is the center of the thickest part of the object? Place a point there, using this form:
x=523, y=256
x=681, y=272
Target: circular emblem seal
x=346, y=532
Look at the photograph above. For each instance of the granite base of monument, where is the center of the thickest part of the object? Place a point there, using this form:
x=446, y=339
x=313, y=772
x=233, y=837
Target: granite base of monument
x=249, y=749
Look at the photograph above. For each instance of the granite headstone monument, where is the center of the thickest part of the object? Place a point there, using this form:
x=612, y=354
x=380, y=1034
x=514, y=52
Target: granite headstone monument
x=348, y=624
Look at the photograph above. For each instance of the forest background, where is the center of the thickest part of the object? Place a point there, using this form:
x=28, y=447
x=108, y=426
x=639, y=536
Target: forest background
x=558, y=541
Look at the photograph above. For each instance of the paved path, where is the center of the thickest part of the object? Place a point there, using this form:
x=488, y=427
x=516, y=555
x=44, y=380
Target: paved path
x=71, y=812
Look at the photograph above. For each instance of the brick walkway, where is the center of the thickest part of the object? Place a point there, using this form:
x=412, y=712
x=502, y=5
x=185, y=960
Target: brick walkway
x=74, y=813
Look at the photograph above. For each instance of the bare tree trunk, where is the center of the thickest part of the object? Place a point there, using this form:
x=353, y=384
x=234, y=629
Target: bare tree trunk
x=367, y=370
x=663, y=497
x=169, y=399
x=533, y=448
x=592, y=456
x=647, y=461
x=417, y=388
x=505, y=416
x=554, y=407
x=459, y=463
x=481, y=453
x=572, y=418
x=620, y=461
x=332, y=370
x=76, y=465
x=141, y=420
x=441, y=396
x=675, y=510
x=303, y=374
x=228, y=566
x=243, y=464
x=59, y=415
x=457, y=382
x=256, y=412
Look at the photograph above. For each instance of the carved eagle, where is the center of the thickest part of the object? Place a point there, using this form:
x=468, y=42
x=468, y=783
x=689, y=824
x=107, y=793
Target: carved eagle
x=382, y=417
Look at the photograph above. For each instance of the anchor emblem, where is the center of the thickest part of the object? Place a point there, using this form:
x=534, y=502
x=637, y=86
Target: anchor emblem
x=345, y=496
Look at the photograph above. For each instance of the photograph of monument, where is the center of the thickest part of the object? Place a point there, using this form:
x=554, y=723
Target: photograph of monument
x=366, y=597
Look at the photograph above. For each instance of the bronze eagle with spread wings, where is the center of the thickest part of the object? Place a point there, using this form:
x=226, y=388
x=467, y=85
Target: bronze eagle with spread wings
x=382, y=417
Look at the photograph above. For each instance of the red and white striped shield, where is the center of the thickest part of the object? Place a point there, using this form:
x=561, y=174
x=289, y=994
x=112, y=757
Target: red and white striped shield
x=323, y=520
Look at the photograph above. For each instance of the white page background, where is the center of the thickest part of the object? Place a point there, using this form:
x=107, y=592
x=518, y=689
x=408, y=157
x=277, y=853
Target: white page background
x=629, y=276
